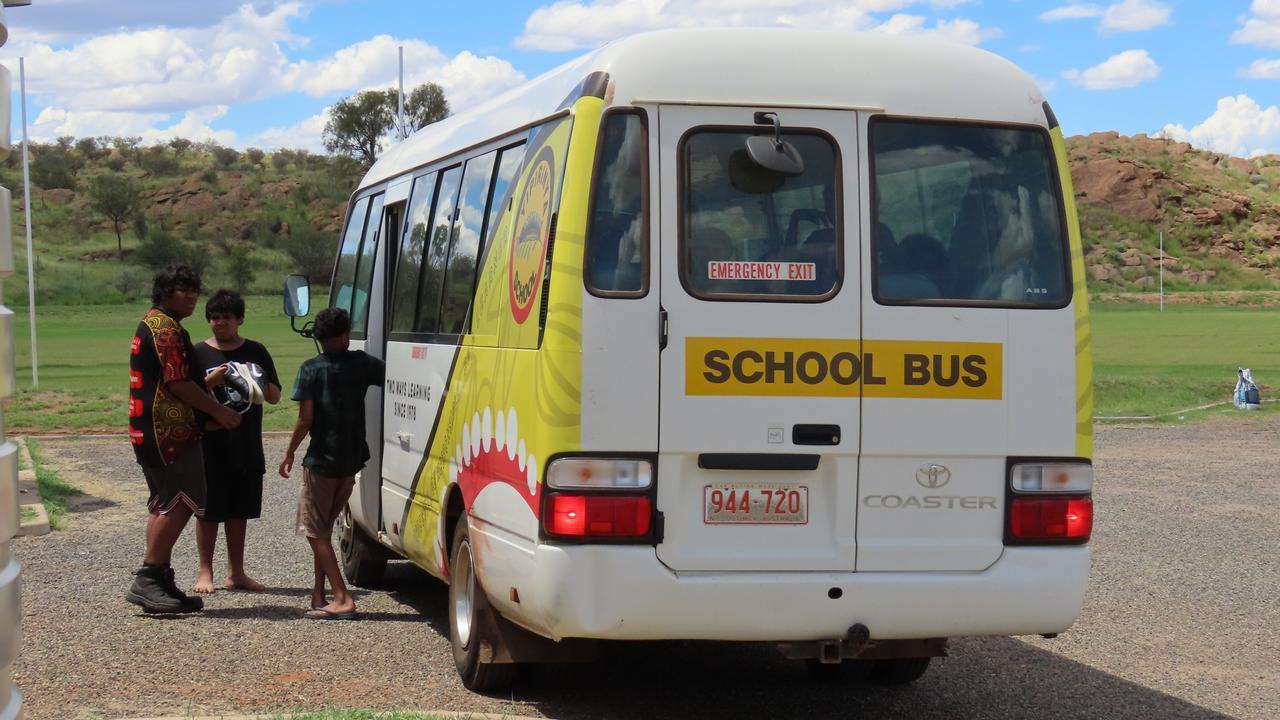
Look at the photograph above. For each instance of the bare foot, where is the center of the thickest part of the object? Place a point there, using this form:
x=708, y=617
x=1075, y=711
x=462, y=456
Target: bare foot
x=204, y=585
x=243, y=582
x=318, y=601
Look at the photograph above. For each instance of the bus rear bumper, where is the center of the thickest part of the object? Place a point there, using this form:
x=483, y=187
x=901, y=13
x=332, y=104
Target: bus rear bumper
x=625, y=593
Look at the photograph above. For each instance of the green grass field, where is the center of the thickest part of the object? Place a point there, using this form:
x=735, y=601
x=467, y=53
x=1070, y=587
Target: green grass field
x=84, y=364
x=1145, y=362
x=1148, y=362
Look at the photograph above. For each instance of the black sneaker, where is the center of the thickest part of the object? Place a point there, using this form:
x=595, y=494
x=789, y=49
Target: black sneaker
x=189, y=603
x=149, y=591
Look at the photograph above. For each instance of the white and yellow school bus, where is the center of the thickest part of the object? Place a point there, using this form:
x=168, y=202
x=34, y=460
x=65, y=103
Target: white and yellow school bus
x=756, y=335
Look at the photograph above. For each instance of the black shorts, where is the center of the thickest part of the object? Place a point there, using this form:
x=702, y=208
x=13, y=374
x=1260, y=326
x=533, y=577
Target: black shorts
x=180, y=482
x=234, y=494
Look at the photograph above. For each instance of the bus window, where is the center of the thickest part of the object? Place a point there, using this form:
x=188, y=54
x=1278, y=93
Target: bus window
x=750, y=233
x=345, y=274
x=364, y=269
x=460, y=278
x=437, y=252
x=508, y=168
x=414, y=240
x=617, y=234
x=966, y=213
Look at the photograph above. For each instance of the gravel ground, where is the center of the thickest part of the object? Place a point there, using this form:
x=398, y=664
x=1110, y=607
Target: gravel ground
x=1181, y=620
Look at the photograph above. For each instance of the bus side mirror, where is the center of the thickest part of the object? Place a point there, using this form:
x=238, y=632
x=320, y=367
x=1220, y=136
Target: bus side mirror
x=297, y=296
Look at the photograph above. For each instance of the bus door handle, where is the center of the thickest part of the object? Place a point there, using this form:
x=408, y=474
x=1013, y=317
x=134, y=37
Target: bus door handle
x=815, y=434
x=405, y=438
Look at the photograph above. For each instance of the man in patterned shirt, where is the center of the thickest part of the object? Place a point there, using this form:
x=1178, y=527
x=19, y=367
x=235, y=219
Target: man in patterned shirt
x=165, y=390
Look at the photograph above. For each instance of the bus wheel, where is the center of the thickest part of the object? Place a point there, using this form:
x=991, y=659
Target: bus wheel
x=473, y=630
x=898, y=671
x=363, y=560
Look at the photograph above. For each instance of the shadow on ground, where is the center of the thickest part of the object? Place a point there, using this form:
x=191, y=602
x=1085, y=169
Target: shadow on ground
x=982, y=678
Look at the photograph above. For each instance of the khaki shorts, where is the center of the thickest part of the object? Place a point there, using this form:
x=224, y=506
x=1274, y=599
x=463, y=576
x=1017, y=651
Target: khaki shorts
x=321, y=501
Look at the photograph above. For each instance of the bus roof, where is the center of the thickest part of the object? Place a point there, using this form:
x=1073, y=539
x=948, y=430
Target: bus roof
x=753, y=67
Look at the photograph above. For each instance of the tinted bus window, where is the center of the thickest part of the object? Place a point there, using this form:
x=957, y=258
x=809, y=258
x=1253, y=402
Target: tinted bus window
x=437, y=252
x=750, y=233
x=966, y=213
x=364, y=269
x=508, y=168
x=344, y=275
x=617, y=245
x=460, y=277
x=412, y=244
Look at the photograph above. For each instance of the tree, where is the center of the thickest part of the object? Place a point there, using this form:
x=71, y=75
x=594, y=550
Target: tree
x=424, y=105
x=53, y=167
x=254, y=156
x=180, y=146
x=240, y=267
x=358, y=123
x=225, y=157
x=117, y=197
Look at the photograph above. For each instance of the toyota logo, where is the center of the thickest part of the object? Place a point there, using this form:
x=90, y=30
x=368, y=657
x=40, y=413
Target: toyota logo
x=933, y=476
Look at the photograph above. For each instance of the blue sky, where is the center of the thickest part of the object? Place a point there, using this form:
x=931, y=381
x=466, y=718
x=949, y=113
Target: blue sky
x=262, y=72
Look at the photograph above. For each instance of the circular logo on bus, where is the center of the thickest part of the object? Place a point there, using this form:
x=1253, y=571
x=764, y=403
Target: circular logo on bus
x=529, y=242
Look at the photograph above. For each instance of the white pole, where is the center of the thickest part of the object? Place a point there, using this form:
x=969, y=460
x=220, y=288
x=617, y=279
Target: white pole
x=400, y=98
x=26, y=200
x=1161, y=271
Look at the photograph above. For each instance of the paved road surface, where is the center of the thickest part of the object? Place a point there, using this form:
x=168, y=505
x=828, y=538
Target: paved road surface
x=1182, y=620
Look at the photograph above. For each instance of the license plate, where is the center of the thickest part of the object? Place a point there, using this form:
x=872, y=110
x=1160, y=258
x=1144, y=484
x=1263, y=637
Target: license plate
x=755, y=503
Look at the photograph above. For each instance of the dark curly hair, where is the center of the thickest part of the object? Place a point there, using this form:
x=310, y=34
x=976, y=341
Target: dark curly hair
x=330, y=323
x=171, y=279
x=225, y=302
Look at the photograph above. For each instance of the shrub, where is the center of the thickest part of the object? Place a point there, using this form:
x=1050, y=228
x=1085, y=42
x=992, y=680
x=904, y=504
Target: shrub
x=225, y=157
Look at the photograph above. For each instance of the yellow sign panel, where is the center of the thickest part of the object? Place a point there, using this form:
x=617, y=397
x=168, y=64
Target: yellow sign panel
x=844, y=368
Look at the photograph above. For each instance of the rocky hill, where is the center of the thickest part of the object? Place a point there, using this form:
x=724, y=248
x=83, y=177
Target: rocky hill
x=248, y=218
x=1220, y=215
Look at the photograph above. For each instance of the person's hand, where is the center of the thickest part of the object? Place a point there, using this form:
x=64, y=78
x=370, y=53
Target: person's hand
x=227, y=418
x=216, y=377
x=286, y=465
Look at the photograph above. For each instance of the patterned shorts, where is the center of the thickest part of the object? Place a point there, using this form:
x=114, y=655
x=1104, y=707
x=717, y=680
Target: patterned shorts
x=181, y=482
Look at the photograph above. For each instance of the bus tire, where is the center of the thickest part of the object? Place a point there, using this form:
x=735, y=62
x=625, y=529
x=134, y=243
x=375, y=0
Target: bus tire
x=898, y=671
x=473, y=630
x=363, y=560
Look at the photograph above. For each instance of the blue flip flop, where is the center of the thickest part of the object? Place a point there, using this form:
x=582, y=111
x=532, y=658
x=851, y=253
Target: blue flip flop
x=322, y=614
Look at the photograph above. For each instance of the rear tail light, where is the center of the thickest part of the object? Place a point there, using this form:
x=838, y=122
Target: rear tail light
x=597, y=516
x=1051, y=477
x=1061, y=519
x=1050, y=502
x=597, y=473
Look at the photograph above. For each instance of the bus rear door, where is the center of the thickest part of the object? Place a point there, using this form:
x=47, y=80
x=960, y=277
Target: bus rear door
x=760, y=378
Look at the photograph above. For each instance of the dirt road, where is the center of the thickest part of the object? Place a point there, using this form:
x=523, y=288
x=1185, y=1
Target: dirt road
x=1182, y=619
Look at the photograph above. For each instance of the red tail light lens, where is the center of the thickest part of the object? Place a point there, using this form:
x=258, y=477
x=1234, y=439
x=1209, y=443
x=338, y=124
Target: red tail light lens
x=582, y=516
x=1051, y=518
x=1062, y=519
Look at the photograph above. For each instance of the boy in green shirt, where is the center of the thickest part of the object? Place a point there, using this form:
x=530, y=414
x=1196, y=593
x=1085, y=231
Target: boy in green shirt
x=330, y=391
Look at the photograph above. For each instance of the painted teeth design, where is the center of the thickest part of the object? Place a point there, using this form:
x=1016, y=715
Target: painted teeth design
x=490, y=431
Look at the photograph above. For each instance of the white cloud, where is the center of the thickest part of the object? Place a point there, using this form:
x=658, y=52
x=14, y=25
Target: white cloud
x=144, y=81
x=305, y=135
x=165, y=69
x=1074, y=11
x=1238, y=127
x=1261, y=27
x=1125, y=70
x=573, y=24
x=1124, y=16
x=53, y=122
x=1264, y=70
x=1135, y=16
x=68, y=20
x=963, y=31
